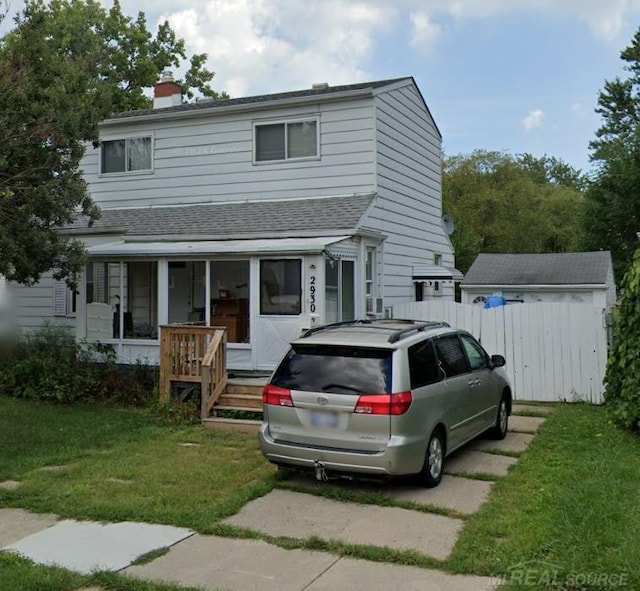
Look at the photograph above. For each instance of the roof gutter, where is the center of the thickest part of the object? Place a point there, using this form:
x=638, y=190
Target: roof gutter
x=551, y=287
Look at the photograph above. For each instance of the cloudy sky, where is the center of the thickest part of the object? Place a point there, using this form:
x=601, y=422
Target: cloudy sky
x=514, y=75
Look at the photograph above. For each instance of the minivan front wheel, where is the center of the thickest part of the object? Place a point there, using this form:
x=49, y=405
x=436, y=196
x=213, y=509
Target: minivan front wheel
x=433, y=467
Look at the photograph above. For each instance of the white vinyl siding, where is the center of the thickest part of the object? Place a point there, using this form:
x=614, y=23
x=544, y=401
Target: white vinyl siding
x=408, y=209
x=205, y=160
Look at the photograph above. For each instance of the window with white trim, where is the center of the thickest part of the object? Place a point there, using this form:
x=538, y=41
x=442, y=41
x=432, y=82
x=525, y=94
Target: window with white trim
x=126, y=155
x=286, y=140
x=280, y=286
x=370, y=273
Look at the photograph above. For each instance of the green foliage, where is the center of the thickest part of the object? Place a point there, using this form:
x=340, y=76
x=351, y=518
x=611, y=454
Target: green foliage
x=622, y=379
x=64, y=67
x=50, y=365
x=612, y=215
x=502, y=203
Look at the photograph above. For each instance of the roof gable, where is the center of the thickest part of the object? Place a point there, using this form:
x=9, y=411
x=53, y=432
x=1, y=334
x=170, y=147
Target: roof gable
x=568, y=268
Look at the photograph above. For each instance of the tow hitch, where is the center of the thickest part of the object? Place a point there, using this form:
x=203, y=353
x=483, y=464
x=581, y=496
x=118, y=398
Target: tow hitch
x=321, y=473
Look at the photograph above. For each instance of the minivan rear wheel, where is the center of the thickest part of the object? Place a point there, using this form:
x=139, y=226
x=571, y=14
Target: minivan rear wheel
x=433, y=466
x=501, y=426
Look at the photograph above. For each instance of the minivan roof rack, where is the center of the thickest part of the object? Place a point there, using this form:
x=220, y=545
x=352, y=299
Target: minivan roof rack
x=413, y=326
x=324, y=327
x=417, y=327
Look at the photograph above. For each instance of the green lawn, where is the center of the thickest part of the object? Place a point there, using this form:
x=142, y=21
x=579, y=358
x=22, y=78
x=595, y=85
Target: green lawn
x=566, y=517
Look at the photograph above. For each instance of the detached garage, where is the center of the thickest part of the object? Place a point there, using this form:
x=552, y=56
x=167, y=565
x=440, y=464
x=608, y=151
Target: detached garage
x=576, y=277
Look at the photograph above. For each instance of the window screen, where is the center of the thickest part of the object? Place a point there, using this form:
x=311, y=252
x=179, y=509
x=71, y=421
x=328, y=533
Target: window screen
x=280, y=286
x=270, y=142
x=451, y=355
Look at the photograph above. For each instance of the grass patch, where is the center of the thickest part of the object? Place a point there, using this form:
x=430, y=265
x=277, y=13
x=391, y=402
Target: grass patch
x=570, y=502
x=124, y=465
x=19, y=574
x=148, y=557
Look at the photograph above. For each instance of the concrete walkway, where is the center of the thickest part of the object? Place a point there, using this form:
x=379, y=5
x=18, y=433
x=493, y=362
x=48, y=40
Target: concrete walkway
x=211, y=562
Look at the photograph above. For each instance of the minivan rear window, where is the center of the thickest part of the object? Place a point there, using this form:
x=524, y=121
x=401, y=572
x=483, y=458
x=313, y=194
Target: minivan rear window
x=338, y=370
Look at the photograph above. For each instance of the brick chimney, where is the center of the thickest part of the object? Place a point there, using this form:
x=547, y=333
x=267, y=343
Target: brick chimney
x=166, y=93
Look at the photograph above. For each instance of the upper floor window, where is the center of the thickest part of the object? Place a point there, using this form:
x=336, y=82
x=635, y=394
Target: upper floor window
x=126, y=155
x=283, y=141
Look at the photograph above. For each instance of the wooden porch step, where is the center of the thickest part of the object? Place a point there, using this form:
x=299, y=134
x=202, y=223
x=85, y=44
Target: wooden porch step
x=237, y=425
x=242, y=401
x=227, y=407
x=244, y=389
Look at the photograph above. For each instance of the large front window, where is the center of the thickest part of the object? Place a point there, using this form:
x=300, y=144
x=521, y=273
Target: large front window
x=126, y=155
x=227, y=293
x=122, y=300
x=283, y=141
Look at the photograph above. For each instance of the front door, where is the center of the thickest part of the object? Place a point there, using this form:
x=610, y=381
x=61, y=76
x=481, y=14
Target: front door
x=278, y=308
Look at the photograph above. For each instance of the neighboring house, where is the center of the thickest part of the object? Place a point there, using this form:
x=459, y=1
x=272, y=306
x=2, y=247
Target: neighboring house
x=265, y=214
x=584, y=277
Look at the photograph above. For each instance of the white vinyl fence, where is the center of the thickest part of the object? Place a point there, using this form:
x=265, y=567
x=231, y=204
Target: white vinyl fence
x=553, y=351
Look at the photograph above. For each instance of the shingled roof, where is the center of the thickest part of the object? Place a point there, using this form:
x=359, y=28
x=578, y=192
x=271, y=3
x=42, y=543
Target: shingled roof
x=567, y=268
x=234, y=219
x=320, y=92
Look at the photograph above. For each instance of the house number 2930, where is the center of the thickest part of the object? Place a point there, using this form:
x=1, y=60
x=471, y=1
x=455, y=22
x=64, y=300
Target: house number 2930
x=312, y=293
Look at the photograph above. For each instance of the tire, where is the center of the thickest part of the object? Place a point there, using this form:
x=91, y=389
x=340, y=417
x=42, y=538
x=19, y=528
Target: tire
x=433, y=467
x=499, y=430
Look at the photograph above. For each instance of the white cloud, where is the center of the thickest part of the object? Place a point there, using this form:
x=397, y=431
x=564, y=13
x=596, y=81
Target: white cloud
x=533, y=120
x=424, y=32
x=607, y=19
x=270, y=45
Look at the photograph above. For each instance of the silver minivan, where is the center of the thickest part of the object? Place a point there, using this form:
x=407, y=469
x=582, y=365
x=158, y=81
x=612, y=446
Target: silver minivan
x=382, y=397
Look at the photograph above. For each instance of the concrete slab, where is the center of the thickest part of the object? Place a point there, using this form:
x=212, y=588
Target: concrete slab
x=362, y=575
x=462, y=495
x=299, y=515
x=16, y=524
x=525, y=424
x=211, y=562
x=467, y=461
x=513, y=442
x=86, y=546
x=9, y=484
x=524, y=408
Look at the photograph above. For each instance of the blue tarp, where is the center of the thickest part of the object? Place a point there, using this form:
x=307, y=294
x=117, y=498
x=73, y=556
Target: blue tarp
x=495, y=302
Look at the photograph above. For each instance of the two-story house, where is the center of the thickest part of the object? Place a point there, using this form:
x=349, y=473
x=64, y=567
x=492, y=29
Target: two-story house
x=266, y=214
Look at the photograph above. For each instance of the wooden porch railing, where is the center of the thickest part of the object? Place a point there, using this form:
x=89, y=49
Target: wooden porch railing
x=214, y=372
x=192, y=353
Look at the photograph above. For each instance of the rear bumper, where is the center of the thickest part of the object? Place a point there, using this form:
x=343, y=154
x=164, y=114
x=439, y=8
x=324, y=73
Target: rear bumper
x=402, y=456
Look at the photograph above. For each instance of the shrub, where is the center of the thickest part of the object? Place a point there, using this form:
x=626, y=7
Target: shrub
x=622, y=379
x=50, y=365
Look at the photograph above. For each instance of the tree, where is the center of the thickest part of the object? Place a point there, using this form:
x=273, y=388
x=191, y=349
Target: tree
x=502, y=203
x=622, y=378
x=612, y=217
x=64, y=67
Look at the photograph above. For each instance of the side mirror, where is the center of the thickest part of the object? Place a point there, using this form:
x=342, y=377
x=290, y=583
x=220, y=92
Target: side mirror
x=498, y=361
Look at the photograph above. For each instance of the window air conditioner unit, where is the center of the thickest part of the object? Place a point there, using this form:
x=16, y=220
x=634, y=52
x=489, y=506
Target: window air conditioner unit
x=375, y=306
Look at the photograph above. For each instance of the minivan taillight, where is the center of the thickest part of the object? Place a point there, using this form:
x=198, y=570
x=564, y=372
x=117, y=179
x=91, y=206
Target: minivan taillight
x=397, y=403
x=276, y=396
